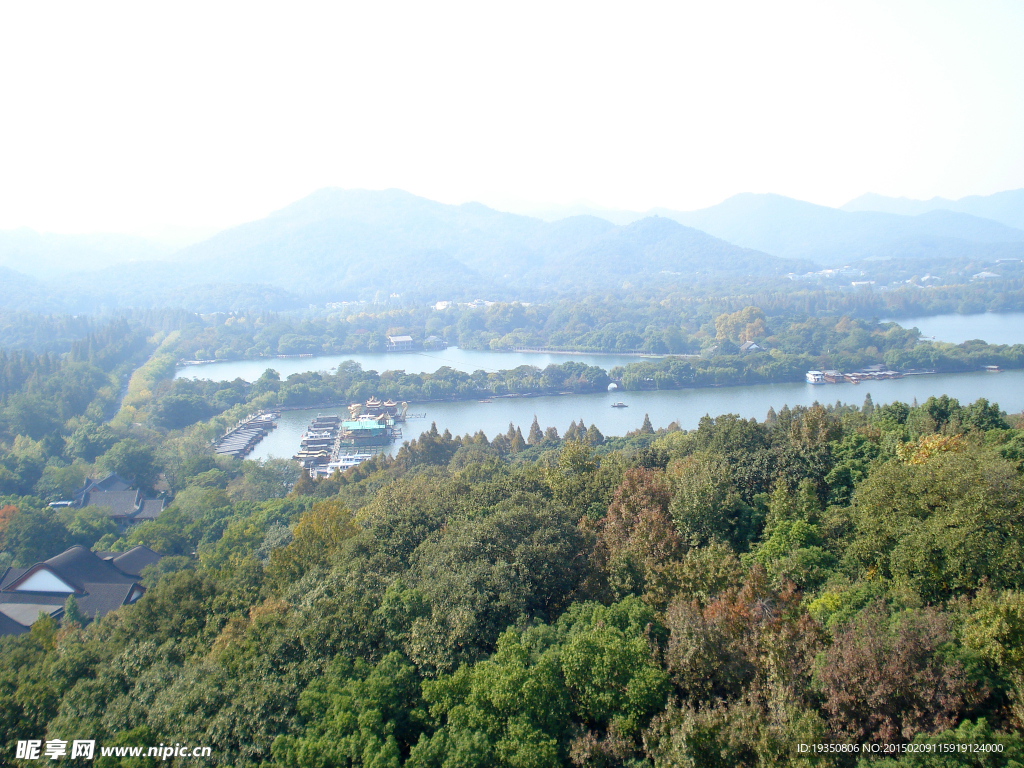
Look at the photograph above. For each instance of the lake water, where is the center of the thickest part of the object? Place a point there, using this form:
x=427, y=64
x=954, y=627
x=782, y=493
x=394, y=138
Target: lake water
x=468, y=360
x=993, y=327
x=684, y=406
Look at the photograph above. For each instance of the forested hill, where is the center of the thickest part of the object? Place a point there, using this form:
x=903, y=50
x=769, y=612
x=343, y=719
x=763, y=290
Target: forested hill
x=340, y=244
x=357, y=244
x=358, y=241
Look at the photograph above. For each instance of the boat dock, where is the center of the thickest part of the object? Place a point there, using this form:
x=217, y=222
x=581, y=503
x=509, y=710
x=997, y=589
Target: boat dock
x=872, y=373
x=334, y=443
x=239, y=441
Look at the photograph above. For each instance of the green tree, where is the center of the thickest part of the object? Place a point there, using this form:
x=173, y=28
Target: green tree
x=72, y=614
x=133, y=461
x=357, y=715
x=510, y=711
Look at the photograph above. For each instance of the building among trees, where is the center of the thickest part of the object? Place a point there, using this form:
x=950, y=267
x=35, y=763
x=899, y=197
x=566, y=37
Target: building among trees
x=127, y=505
x=98, y=582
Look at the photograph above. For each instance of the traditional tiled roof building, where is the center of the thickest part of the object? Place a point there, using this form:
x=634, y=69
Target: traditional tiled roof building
x=127, y=506
x=100, y=582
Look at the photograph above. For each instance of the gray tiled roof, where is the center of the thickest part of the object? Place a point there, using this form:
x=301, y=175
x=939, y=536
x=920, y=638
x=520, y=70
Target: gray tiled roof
x=101, y=599
x=120, y=503
x=151, y=509
x=10, y=575
x=78, y=566
x=112, y=482
x=25, y=612
x=9, y=626
x=135, y=559
x=96, y=600
x=103, y=582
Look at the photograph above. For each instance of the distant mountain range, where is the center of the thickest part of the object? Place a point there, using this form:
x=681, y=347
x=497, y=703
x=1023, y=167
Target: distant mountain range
x=1005, y=207
x=870, y=227
x=340, y=244
x=355, y=241
x=792, y=228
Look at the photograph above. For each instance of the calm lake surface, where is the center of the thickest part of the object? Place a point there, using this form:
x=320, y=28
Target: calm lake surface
x=684, y=406
x=993, y=327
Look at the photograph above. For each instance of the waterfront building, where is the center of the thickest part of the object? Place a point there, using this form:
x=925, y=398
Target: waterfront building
x=399, y=344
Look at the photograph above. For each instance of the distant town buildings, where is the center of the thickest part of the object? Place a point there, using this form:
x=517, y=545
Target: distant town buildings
x=984, y=276
x=826, y=274
x=342, y=304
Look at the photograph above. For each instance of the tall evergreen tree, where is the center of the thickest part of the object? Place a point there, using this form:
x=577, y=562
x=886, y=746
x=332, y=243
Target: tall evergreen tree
x=869, y=406
x=536, y=437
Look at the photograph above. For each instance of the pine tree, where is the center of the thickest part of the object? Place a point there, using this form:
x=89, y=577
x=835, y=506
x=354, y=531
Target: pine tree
x=869, y=406
x=647, y=428
x=517, y=444
x=536, y=436
x=510, y=435
x=772, y=417
x=72, y=613
x=594, y=436
x=551, y=433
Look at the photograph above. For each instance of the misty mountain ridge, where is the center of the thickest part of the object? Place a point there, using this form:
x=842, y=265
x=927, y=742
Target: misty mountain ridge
x=792, y=228
x=339, y=244
x=1005, y=207
x=358, y=241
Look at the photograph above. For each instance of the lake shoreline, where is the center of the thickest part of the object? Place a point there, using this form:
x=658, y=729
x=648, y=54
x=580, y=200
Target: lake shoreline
x=483, y=398
x=685, y=407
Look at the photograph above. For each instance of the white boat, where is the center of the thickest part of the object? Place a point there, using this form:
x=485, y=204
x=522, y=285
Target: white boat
x=341, y=464
x=815, y=377
x=619, y=405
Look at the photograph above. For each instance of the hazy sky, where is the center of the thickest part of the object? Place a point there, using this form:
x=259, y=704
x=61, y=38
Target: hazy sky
x=121, y=116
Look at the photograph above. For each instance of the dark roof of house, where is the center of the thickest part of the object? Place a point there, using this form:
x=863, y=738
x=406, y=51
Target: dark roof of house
x=151, y=509
x=112, y=482
x=120, y=503
x=76, y=566
x=25, y=607
x=102, y=582
x=9, y=626
x=104, y=598
x=126, y=504
x=97, y=600
x=135, y=559
x=10, y=575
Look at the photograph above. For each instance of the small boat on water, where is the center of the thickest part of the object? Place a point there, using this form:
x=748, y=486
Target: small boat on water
x=619, y=405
